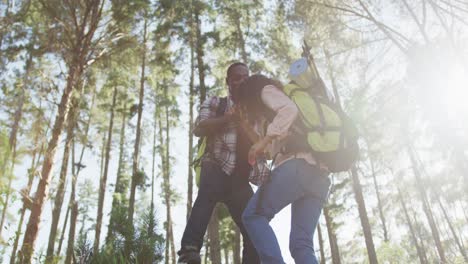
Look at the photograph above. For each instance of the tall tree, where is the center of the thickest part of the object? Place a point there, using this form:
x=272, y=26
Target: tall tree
x=425, y=203
x=103, y=182
x=79, y=23
x=9, y=162
x=363, y=217
x=136, y=151
x=321, y=244
x=57, y=210
x=77, y=166
x=119, y=198
x=39, y=132
x=335, y=253
x=191, y=105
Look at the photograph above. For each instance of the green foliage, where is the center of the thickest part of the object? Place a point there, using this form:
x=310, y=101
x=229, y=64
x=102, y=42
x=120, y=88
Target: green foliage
x=392, y=253
x=396, y=95
x=147, y=246
x=5, y=154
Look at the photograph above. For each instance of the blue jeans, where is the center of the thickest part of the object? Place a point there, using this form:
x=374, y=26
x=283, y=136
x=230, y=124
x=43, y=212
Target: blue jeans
x=294, y=182
x=216, y=186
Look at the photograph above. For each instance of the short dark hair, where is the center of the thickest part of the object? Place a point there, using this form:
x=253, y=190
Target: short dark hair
x=233, y=65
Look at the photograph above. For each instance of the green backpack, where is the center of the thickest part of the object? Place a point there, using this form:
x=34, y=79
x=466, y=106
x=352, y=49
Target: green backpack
x=329, y=132
x=202, y=142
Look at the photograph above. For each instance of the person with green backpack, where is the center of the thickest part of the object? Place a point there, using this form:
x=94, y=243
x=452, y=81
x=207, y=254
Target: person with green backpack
x=307, y=138
x=224, y=169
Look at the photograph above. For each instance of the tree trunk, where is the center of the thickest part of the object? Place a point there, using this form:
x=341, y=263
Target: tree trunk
x=119, y=189
x=237, y=245
x=207, y=253
x=240, y=36
x=425, y=203
x=58, y=202
x=43, y=186
x=64, y=228
x=79, y=52
x=421, y=255
x=213, y=234
x=420, y=236
x=153, y=165
x=76, y=172
x=173, y=251
x=377, y=192
x=102, y=185
x=363, y=216
x=321, y=244
x=25, y=193
x=452, y=230
x=12, y=146
x=167, y=179
x=71, y=237
x=6, y=15
x=201, y=65
x=335, y=252
x=226, y=255
x=191, y=104
x=165, y=190
x=136, y=150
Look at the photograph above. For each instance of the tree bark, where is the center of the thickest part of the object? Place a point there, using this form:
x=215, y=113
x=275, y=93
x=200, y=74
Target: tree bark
x=335, y=252
x=26, y=193
x=226, y=255
x=363, y=216
x=191, y=104
x=425, y=203
x=12, y=146
x=75, y=174
x=168, y=188
x=119, y=189
x=420, y=236
x=421, y=255
x=136, y=150
x=452, y=230
x=71, y=237
x=102, y=185
x=58, y=202
x=321, y=244
x=43, y=186
x=377, y=193
x=153, y=165
x=240, y=36
x=213, y=234
x=200, y=54
x=237, y=245
x=79, y=51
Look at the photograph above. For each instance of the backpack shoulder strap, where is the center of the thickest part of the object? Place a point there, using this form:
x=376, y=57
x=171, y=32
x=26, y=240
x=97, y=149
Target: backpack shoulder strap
x=221, y=106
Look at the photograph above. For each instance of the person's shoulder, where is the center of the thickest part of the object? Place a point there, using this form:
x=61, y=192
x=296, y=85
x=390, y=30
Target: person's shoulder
x=215, y=99
x=212, y=102
x=270, y=89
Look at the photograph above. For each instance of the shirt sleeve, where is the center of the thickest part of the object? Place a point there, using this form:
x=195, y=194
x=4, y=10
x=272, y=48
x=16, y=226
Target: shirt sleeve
x=207, y=109
x=285, y=109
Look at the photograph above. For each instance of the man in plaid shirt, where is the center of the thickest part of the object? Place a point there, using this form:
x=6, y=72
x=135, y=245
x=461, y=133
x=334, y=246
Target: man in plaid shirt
x=224, y=170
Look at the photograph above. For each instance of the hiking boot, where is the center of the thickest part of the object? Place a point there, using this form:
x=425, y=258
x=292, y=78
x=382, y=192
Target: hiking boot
x=189, y=256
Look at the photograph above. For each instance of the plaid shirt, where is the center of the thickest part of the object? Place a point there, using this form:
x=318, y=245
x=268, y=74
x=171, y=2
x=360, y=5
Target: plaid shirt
x=221, y=148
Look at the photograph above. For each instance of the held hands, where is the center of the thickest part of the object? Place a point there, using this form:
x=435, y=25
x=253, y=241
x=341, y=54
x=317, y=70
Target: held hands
x=232, y=115
x=258, y=149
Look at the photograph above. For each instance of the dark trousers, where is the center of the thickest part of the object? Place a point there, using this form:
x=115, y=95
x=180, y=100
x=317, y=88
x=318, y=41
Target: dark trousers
x=216, y=186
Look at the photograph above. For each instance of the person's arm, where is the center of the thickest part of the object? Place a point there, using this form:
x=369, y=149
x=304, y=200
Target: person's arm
x=285, y=109
x=207, y=122
x=210, y=126
x=286, y=113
